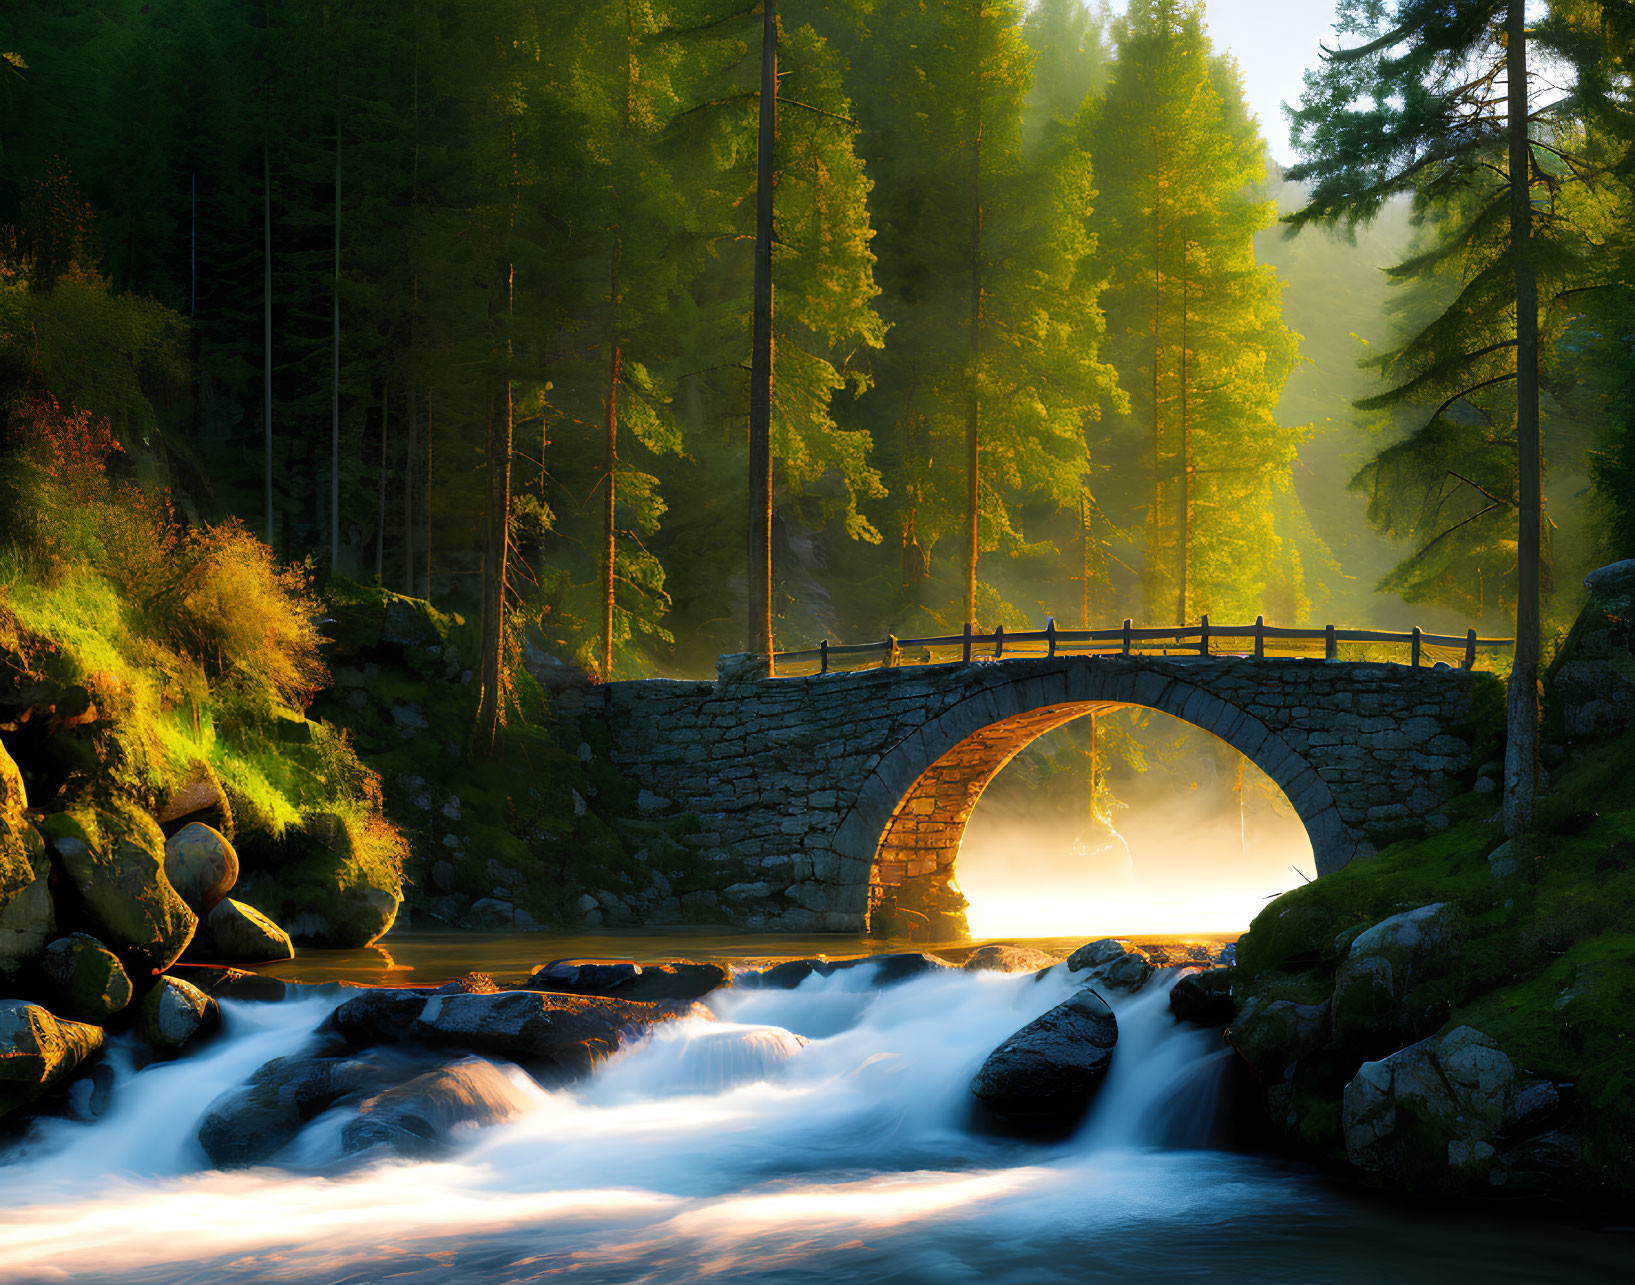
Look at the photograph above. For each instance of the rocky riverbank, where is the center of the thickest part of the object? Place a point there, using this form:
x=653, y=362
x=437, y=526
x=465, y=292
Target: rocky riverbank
x=1453, y=1018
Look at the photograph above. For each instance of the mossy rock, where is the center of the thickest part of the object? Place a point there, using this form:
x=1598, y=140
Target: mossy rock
x=28, y=918
x=173, y=1012
x=111, y=880
x=334, y=886
x=88, y=983
x=241, y=934
x=13, y=797
x=201, y=864
x=37, y=1049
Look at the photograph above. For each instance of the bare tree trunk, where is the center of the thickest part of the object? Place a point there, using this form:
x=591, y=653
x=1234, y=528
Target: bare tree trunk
x=335, y=373
x=1084, y=560
x=973, y=410
x=759, y=640
x=266, y=333
x=1155, y=540
x=380, y=499
x=1522, y=714
x=497, y=470
x=409, y=459
x=1184, y=516
x=429, y=392
x=610, y=470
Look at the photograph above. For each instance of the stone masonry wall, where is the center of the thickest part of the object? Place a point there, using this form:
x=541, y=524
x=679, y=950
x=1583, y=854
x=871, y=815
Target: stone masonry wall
x=796, y=782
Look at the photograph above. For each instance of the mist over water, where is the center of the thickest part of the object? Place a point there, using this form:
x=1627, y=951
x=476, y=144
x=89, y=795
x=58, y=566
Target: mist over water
x=1186, y=851
x=731, y=1150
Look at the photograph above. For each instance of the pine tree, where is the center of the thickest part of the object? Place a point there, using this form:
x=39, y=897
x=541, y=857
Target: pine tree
x=1196, y=330
x=1435, y=101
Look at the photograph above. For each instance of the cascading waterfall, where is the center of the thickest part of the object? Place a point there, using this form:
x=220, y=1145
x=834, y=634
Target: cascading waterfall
x=824, y=1132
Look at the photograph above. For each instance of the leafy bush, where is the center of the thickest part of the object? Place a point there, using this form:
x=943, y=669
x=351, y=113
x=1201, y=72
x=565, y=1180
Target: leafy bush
x=193, y=643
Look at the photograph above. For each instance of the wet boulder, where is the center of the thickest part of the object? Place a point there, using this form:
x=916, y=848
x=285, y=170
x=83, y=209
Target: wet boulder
x=569, y=1033
x=1204, y=997
x=888, y=970
x=1373, y=985
x=562, y=1034
x=377, y=1016
x=172, y=1013
x=999, y=958
x=329, y=883
x=625, y=979
x=1044, y=1076
x=38, y=1049
x=241, y=934
x=246, y=1126
x=418, y=1118
x=28, y=917
x=111, y=882
x=1116, y=965
x=86, y=980
x=201, y=865
x=1442, y=1113
x=1272, y=1032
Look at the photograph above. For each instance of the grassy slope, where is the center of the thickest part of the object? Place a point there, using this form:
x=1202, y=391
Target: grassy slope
x=1548, y=967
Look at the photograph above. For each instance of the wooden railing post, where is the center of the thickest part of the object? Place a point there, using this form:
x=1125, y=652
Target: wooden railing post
x=1203, y=637
x=967, y=656
x=823, y=656
x=1126, y=636
x=998, y=641
x=892, y=655
x=1470, y=650
x=1260, y=637
x=1331, y=649
x=1413, y=649
x=1050, y=635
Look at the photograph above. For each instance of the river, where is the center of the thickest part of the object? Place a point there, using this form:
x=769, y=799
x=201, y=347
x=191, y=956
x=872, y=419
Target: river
x=689, y=1157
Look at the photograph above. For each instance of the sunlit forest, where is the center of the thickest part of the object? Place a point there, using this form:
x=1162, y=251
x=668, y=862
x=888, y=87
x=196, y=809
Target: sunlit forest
x=335, y=268
x=304, y=305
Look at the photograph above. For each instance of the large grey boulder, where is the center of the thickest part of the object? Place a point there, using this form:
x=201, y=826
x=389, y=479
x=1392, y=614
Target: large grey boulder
x=1373, y=983
x=28, y=917
x=1273, y=1033
x=201, y=865
x=87, y=981
x=1593, y=679
x=562, y=1034
x=335, y=884
x=241, y=934
x=1438, y=1113
x=998, y=957
x=1204, y=997
x=38, y=1049
x=626, y=979
x=888, y=970
x=111, y=880
x=1116, y=965
x=173, y=1012
x=418, y=1118
x=1045, y=1075
x=245, y=1126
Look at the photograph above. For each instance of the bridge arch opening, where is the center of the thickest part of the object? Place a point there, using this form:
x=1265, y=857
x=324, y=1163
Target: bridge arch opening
x=914, y=884
x=909, y=822
x=1127, y=822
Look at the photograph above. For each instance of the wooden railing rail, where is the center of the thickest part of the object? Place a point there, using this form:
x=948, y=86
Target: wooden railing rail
x=1203, y=639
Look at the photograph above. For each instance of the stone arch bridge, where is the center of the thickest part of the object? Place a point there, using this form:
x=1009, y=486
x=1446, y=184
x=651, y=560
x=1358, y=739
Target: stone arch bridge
x=826, y=798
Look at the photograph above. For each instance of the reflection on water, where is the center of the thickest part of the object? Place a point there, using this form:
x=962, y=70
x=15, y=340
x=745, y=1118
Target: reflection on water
x=418, y=958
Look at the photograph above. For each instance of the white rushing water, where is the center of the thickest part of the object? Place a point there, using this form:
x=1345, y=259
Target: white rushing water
x=731, y=1151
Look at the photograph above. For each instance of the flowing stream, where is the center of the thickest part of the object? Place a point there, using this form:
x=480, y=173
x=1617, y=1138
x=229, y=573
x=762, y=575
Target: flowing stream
x=729, y=1151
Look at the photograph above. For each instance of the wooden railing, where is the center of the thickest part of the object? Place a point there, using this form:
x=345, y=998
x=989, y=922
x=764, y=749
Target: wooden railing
x=1259, y=640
